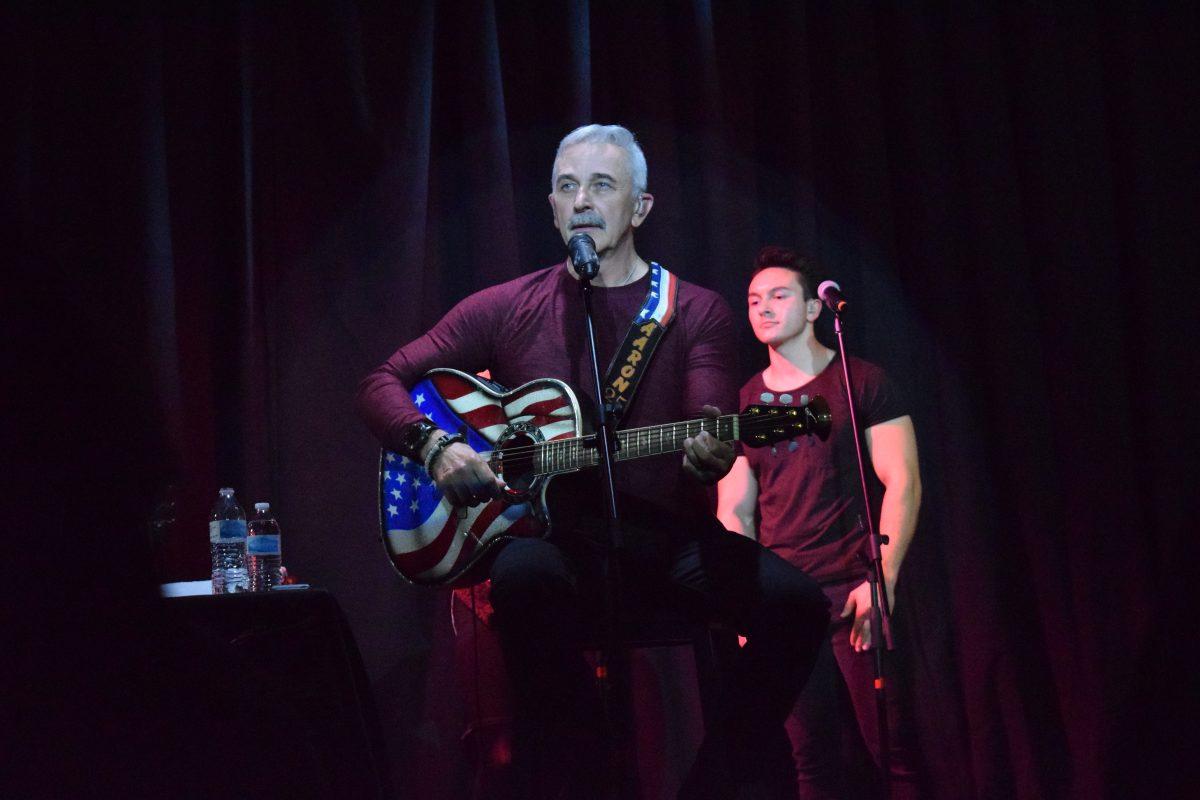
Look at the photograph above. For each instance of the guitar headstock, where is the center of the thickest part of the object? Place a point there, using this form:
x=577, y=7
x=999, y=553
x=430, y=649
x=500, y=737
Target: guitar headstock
x=763, y=425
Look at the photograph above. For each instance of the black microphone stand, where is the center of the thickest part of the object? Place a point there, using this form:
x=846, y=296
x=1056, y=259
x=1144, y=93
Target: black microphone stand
x=612, y=669
x=881, y=615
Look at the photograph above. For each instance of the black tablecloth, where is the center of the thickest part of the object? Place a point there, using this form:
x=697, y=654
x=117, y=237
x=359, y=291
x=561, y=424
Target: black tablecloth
x=277, y=678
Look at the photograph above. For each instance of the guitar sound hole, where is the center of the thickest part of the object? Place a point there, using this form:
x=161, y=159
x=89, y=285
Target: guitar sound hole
x=517, y=462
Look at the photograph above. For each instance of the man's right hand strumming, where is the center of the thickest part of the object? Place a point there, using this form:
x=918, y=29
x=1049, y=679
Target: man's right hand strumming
x=462, y=476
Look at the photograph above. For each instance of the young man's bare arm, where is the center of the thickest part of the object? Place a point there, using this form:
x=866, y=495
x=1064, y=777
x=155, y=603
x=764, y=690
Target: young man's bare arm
x=737, y=499
x=893, y=451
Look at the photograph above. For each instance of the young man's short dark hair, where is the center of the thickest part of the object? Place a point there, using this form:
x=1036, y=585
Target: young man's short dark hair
x=775, y=256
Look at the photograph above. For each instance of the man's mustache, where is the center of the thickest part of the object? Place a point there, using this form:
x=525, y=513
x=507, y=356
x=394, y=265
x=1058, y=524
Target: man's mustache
x=590, y=218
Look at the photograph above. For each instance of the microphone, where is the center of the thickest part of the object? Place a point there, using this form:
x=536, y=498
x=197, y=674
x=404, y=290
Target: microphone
x=582, y=249
x=831, y=293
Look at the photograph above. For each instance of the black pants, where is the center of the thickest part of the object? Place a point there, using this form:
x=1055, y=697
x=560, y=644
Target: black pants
x=543, y=592
x=837, y=707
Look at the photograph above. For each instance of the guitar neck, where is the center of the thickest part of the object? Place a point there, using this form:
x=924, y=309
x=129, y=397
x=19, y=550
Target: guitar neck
x=568, y=455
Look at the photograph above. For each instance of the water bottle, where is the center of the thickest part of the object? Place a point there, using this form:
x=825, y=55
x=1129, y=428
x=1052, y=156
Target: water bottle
x=263, y=549
x=227, y=543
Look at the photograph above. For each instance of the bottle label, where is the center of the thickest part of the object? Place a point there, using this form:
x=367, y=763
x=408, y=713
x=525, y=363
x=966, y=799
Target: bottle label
x=226, y=530
x=265, y=544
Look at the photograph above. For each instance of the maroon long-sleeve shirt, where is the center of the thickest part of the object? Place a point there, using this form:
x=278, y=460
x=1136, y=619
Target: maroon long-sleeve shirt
x=533, y=327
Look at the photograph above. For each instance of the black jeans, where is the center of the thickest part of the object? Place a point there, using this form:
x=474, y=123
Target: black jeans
x=837, y=707
x=545, y=590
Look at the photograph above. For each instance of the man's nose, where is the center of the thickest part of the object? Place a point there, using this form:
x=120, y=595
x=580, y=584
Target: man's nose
x=583, y=201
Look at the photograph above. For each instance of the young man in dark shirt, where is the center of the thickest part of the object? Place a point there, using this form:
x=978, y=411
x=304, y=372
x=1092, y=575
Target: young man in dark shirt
x=803, y=499
x=532, y=327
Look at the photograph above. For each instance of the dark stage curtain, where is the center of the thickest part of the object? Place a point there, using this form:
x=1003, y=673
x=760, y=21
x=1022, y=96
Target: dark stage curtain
x=226, y=214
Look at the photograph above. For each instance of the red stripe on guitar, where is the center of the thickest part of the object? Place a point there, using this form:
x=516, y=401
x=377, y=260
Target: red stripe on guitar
x=450, y=386
x=465, y=556
x=487, y=515
x=526, y=526
x=485, y=417
x=544, y=409
x=427, y=557
x=454, y=388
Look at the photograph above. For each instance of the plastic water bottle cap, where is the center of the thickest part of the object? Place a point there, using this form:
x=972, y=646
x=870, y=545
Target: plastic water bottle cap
x=262, y=506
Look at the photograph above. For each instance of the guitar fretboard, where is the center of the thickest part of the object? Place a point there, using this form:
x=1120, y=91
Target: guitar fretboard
x=572, y=454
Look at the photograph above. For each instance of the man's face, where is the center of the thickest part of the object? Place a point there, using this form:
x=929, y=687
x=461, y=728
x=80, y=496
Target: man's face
x=777, y=308
x=593, y=194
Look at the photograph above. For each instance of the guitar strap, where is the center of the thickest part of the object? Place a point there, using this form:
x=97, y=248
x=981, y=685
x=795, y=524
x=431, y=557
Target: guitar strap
x=633, y=356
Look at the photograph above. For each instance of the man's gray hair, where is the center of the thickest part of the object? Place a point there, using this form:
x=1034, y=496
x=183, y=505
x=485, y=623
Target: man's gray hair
x=609, y=134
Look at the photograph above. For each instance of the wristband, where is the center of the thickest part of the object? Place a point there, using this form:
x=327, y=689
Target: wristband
x=442, y=443
x=415, y=437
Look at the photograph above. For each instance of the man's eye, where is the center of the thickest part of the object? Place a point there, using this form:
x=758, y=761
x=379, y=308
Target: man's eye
x=603, y=185
x=566, y=187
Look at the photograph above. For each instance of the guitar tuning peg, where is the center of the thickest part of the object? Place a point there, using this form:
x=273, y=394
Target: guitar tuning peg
x=803, y=400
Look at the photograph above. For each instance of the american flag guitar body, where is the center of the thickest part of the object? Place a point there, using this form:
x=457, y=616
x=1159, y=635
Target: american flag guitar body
x=527, y=435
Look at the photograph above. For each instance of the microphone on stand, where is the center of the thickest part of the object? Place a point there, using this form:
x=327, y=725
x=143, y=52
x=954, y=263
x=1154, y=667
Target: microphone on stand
x=582, y=249
x=831, y=293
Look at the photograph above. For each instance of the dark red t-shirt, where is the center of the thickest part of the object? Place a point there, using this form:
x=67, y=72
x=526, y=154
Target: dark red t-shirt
x=808, y=489
x=533, y=327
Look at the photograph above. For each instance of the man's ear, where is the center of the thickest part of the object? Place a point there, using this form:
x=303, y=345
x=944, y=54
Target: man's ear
x=814, y=308
x=553, y=210
x=641, y=208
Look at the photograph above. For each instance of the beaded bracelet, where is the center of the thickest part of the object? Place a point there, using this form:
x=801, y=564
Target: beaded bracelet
x=442, y=443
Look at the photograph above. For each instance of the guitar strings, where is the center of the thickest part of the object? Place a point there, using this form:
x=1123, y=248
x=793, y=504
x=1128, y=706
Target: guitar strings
x=749, y=423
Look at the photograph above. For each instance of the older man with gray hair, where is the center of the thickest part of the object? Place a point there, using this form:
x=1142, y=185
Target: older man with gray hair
x=544, y=589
